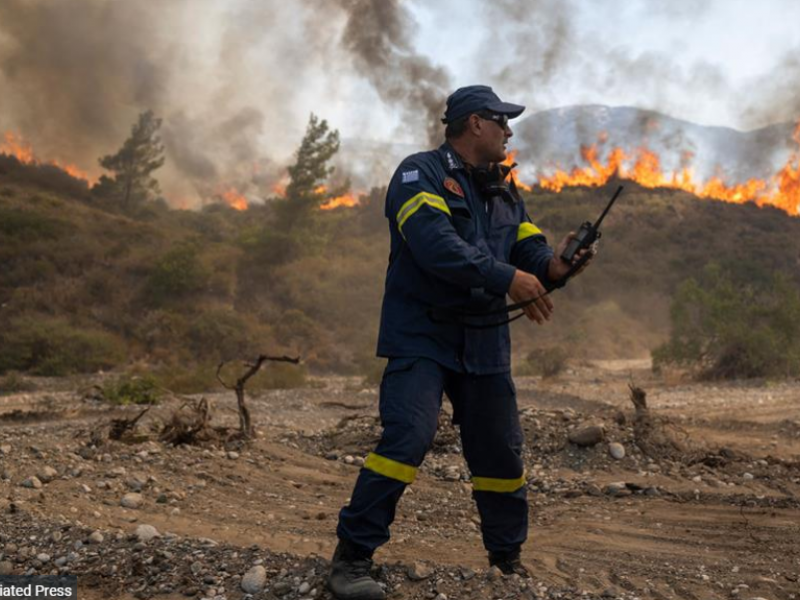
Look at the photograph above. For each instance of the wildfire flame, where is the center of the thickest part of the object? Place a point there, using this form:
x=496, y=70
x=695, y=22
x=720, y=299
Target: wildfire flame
x=14, y=145
x=510, y=161
x=234, y=199
x=348, y=200
x=782, y=190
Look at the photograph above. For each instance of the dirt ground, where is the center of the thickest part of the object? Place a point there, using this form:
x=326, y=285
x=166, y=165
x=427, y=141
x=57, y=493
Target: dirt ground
x=706, y=506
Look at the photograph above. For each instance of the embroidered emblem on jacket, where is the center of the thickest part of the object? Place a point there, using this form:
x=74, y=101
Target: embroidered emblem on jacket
x=452, y=185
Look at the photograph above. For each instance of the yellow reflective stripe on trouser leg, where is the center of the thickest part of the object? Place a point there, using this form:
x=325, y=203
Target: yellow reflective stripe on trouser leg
x=414, y=204
x=527, y=230
x=390, y=468
x=491, y=484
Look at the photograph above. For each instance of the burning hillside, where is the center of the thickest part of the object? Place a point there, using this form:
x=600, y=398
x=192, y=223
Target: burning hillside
x=782, y=190
x=14, y=145
x=642, y=165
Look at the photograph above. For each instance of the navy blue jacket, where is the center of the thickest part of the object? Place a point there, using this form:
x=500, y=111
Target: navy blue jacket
x=452, y=249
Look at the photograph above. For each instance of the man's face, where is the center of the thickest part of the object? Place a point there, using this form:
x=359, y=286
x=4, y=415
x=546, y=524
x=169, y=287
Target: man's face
x=495, y=133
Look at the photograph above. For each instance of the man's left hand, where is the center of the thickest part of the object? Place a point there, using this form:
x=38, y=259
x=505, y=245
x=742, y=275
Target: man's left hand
x=558, y=268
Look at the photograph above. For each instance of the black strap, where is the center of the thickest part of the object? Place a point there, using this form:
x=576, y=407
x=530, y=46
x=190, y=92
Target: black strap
x=459, y=317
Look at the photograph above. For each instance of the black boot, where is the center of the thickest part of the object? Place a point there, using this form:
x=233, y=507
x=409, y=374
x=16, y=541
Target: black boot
x=509, y=563
x=349, y=578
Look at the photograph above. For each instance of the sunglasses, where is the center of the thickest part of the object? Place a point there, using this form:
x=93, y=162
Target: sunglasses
x=500, y=119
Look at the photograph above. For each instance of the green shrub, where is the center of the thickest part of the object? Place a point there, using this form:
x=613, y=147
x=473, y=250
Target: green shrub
x=202, y=378
x=221, y=334
x=544, y=362
x=189, y=380
x=724, y=328
x=132, y=390
x=279, y=376
x=176, y=274
x=29, y=225
x=45, y=345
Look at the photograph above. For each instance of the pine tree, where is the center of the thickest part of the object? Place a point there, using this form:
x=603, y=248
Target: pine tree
x=309, y=171
x=133, y=165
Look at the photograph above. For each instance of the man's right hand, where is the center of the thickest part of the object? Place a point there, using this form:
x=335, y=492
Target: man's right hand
x=525, y=286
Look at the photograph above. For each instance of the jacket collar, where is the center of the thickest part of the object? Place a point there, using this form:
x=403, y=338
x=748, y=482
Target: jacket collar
x=450, y=158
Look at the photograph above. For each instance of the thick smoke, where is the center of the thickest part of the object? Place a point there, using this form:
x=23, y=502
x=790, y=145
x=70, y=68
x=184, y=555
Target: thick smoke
x=234, y=82
x=378, y=34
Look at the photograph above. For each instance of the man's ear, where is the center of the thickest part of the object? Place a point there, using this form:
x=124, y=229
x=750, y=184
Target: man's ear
x=475, y=125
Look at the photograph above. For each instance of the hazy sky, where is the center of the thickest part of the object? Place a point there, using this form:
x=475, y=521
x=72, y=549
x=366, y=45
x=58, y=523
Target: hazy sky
x=730, y=49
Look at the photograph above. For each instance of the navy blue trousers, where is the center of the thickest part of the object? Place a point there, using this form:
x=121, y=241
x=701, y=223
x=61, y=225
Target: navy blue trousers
x=485, y=408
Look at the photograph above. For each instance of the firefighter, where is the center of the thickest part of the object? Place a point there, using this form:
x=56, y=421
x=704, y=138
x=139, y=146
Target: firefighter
x=456, y=245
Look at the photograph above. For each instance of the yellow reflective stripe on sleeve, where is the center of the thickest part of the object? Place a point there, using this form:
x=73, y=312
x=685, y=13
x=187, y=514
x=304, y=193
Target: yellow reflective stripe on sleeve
x=414, y=204
x=526, y=230
x=390, y=468
x=490, y=484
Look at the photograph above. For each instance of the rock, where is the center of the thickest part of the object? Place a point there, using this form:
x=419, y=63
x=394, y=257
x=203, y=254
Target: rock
x=467, y=573
x=254, y=580
x=32, y=482
x=419, y=571
x=132, y=500
x=134, y=484
x=47, y=474
x=616, y=450
x=594, y=490
x=233, y=455
x=86, y=453
x=452, y=473
x=304, y=588
x=617, y=488
x=6, y=568
x=349, y=459
x=494, y=573
x=96, y=538
x=145, y=533
x=748, y=477
x=281, y=588
x=56, y=536
x=43, y=557
x=587, y=436
x=5, y=449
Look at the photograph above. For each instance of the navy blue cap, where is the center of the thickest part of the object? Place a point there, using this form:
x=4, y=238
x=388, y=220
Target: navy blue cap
x=475, y=98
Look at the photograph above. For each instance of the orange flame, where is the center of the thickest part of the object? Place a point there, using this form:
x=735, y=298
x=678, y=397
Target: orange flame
x=279, y=189
x=14, y=145
x=782, y=190
x=510, y=161
x=348, y=200
x=234, y=199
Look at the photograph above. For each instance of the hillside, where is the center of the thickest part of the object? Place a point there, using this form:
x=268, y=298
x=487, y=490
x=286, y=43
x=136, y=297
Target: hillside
x=83, y=287
x=555, y=136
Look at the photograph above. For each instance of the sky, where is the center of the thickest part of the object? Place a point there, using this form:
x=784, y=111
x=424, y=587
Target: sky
x=235, y=81
x=732, y=49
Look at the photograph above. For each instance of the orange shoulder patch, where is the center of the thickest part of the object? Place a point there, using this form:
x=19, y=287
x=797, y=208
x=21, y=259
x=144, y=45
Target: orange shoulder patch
x=452, y=186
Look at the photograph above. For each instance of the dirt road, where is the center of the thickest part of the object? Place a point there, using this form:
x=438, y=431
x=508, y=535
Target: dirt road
x=711, y=510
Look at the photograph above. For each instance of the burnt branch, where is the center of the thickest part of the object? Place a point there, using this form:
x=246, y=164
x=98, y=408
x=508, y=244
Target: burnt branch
x=121, y=427
x=245, y=422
